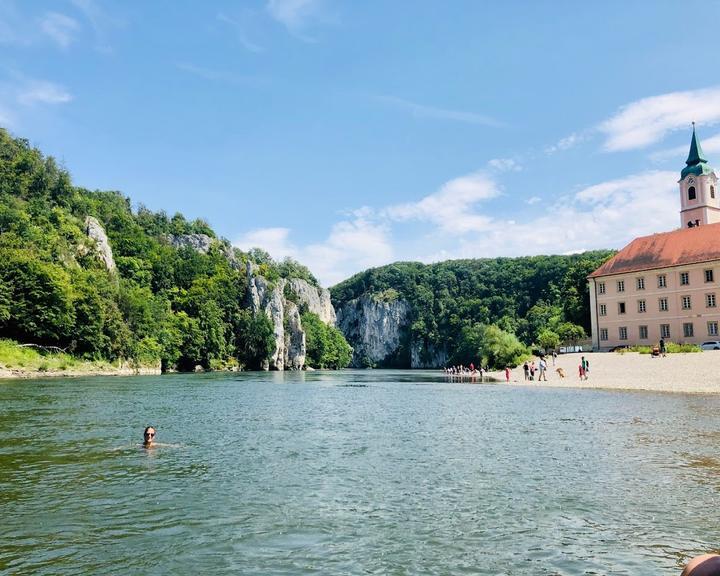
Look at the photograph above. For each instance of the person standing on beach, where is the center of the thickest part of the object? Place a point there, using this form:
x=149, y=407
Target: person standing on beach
x=554, y=357
x=526, y=370
x=662, y=347
x=507, y=374
x=581, y=371
x=542, y=368
x=584, y=365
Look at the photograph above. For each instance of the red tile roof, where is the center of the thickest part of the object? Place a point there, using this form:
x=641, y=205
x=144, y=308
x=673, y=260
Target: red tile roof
x=676, y=248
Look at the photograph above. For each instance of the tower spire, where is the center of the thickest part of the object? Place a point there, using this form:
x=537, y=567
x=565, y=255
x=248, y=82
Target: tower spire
x=696, y=153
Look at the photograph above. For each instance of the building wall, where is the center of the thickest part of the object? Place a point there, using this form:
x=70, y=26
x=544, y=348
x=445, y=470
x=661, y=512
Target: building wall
x=698, y=315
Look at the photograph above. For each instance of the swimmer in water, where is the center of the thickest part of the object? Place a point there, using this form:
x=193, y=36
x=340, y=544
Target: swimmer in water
x=149, y=437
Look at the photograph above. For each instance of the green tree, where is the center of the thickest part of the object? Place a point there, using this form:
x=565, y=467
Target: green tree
x=255, y=339
x=548, y=340
x=501, y=348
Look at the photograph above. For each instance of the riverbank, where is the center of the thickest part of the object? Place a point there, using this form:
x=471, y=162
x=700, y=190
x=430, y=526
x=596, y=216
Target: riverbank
x=24, y=361
x=686, y=373
x=11, y=373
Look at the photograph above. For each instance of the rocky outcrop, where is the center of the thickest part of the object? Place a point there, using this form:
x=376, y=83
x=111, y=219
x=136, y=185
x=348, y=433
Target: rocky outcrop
x=317, y=300
x=96, y=232
x=198, y=242
x=427, y=356
x=202, y=243
x=282, y=301
x=378, y=331
x=375, y=328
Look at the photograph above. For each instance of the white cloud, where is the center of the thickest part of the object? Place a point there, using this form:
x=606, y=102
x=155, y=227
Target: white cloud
x=422, y=111
x=605, y=215
x=42, y=92
x=534, y=200
x=240, y=33
x=565, y=143
x=647, y=121
x=352, y=245
x=293, y=14
x=60, y=28
x=504, y=165
x=451, y=207
x=678, y=153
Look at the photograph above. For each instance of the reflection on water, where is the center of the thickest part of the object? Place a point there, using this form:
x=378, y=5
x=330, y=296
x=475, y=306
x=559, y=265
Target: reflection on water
x=352, y=473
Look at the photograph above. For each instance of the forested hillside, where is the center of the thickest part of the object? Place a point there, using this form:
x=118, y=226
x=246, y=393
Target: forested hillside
x=464, y=309
x=165, y=299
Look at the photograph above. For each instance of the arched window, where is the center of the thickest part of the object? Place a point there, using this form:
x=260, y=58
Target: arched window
x=712, y=191
x=691, y=193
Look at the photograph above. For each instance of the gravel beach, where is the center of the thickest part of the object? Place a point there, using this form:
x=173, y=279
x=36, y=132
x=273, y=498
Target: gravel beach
x=686, y=373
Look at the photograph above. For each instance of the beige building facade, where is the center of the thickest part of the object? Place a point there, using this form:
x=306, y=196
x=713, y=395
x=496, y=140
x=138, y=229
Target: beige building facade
x=667, y=285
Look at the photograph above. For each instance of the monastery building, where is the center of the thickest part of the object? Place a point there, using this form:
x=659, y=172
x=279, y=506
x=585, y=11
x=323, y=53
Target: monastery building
x=665, y=285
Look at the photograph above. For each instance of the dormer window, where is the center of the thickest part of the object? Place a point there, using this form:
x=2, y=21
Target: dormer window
x=691, y=193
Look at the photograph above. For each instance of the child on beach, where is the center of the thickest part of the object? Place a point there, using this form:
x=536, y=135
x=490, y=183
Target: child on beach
x=507, y=374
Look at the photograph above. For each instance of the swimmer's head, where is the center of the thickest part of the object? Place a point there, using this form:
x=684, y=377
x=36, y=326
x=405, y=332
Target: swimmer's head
x=705, y=565
x=149, y=435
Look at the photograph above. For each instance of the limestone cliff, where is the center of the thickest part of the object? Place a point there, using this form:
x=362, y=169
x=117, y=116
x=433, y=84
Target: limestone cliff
x=202, y=243
x=379, y=332
x=96, y=232
x=282, y=301
x=375, y=328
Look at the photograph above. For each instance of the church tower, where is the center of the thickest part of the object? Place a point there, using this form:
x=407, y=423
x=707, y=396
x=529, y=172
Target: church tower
x=699, y=196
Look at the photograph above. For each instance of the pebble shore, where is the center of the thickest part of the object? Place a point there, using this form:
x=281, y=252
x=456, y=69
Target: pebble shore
x=685, y=373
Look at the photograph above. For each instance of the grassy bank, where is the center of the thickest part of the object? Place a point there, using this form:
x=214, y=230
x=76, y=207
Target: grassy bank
x=17, y=360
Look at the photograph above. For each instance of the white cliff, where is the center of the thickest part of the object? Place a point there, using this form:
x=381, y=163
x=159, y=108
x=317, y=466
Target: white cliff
x=96, y=232
x=374, y=328
x=282, y=302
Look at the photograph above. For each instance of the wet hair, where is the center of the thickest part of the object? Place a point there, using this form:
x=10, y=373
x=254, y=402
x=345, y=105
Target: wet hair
x=709, y=567
x=148, y=428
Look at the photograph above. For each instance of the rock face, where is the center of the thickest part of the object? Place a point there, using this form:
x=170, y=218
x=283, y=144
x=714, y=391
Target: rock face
x=423, y=356
x=317, y=300
x=378, y=332
x=96, y=232
x=198, y=242
x=202, y=243
x=282, y=302
x=374, y=328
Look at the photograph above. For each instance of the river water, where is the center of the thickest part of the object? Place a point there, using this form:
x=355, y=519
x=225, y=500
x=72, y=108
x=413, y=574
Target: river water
x=354, y=472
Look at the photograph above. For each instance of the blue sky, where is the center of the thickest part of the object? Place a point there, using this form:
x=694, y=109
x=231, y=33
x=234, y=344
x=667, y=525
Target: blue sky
x=353, y=134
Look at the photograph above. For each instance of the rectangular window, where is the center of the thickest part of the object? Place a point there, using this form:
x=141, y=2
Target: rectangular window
x=684, y=278
x=708, y=275
x=686, y=305
x=641, y=305
x=664, y=330
x=712, y=328
x=603, y=334
x=688, y=329
x=603, y=309
x=640, y=283
x=601, y=287
x=621, y=286
x=710, y=300
x=663, y=304
x=621, y=307
x=643, y=331
x=662, y=281
x=622, y=332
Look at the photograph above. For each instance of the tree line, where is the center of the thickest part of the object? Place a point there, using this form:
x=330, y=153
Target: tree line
x=493, y=310
x=176, y=306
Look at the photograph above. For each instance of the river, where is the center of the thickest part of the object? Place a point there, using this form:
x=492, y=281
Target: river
x=353, y=472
